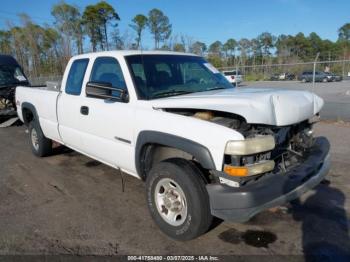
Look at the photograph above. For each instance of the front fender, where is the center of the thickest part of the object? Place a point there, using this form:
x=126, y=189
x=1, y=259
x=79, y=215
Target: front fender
x=200, y=152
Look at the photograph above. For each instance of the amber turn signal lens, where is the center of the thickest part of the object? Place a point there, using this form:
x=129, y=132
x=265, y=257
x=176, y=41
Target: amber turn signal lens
x=236, y=171
x=250, y=170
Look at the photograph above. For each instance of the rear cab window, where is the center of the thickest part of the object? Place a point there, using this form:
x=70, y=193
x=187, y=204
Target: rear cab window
x=76, y=76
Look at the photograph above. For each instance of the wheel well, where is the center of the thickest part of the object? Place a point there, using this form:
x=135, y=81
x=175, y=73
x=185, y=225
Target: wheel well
x=28, y=115
x=152, y=154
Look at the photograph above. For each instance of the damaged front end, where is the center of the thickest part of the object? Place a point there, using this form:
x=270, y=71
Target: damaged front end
x=273, y=150
x=265, y=150
x=272, y=165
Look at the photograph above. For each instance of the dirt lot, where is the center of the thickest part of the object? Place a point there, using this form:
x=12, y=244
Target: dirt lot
x=70, y=204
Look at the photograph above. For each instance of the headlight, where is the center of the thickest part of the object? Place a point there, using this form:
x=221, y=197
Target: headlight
x=250, y=146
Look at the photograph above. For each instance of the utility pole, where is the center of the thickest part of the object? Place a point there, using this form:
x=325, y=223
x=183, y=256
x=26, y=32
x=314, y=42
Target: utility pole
x=314, y=72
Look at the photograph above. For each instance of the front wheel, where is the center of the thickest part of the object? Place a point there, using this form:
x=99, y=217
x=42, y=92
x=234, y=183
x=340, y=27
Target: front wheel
x=41, y=146
x=178, y=200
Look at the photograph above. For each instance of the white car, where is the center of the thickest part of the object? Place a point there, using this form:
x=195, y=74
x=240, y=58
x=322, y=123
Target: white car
x=202, y=147
x=233, y=77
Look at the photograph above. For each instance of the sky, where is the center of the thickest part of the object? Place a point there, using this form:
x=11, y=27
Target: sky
x=209, y=20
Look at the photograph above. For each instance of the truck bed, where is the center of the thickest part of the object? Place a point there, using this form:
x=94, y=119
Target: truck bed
x=44, y=100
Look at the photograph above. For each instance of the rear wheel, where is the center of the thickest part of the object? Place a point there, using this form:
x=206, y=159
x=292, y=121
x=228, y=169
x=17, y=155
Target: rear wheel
x=178, y=200
x=325, y=80
x=303, y=80
x=41, y=146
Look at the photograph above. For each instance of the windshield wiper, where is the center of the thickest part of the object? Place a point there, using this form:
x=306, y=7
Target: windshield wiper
x=171, y=93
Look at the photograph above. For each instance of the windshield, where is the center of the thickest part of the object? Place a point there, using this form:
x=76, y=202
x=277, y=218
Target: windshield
x=157, y=76
x=11, y=75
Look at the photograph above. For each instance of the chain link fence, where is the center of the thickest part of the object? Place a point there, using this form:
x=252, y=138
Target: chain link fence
x=274, y=71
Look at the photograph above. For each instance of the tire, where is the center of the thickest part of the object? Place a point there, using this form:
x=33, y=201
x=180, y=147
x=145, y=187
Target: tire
x=40, y=145
x=178, y=177
x=325, y=80
x=303, y=80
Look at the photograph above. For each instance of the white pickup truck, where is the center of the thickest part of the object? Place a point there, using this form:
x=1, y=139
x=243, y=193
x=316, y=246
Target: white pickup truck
x=203, y=147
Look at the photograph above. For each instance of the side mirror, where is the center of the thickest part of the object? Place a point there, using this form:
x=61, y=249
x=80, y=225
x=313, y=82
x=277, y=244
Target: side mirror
x=104, y=90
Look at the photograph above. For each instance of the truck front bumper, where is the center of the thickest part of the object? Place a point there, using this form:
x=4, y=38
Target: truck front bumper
x=240, y=204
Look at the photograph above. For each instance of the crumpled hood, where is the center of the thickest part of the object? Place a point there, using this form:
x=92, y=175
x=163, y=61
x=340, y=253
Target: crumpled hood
x=258, y=106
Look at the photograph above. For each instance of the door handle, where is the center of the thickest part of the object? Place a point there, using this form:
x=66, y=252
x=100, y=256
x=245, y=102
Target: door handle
x=84, y=110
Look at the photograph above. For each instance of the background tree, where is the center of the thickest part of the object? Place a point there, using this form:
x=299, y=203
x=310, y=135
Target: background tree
x=159, y=26
x=300, y=46
x=255, y=47
x=139, y=24
x=199, y=48
x=215, y=48
x=165, y=47
x=36, y=48
x=344, y=40
x=316, y=46
x=243, y=47
x=96, y=19
x=230, y=47
x=215, y=53
x=344, y=32
x=5, y=42
x=178, y=47
x=50, y=52
x=267, y=41
x=69, y=22
x=283, y=47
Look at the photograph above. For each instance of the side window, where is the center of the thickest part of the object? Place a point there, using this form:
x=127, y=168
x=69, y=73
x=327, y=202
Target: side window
x=76, y=76
x=107, y=69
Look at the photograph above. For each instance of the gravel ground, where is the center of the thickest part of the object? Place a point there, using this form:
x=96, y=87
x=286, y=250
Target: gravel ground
x=335, y=94
x=70, y=204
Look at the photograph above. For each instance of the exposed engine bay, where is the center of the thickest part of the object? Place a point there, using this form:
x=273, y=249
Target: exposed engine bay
x=222, y=118
x=292, y=142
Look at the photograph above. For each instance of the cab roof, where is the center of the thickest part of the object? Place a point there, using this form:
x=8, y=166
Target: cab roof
x=131, y=52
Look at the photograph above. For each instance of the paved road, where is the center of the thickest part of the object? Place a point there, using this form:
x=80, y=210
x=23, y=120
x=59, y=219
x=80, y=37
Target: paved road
x=336, y=95
x=70, y=204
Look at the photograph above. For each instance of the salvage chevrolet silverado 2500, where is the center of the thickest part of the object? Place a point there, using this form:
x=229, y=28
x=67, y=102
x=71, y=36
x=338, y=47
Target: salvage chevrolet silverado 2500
x=203, y=147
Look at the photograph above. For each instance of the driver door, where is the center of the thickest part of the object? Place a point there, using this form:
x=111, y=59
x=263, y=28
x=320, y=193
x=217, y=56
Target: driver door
x=108, y=123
